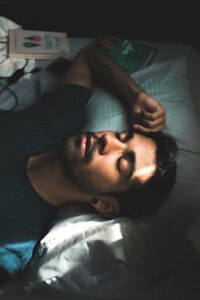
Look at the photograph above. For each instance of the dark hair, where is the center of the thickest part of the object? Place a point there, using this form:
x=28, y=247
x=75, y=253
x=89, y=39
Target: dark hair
x=144, y=199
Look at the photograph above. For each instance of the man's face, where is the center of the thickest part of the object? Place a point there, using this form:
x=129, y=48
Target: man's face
x=107, y=162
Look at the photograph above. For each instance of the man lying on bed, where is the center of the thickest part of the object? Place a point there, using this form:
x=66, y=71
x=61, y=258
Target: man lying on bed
x=45, y=162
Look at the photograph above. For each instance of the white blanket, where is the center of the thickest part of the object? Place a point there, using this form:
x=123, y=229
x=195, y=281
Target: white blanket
x=9, y=65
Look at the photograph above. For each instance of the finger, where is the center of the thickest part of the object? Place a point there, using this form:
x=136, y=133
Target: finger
x=151, y=107
x=150, y=104
x=159, y=113
x=152, y=124
x=141, y=129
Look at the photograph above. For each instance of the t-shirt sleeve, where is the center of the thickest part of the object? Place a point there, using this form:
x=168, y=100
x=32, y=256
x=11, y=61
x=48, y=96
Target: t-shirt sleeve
x=60, y=112
x=56, y=114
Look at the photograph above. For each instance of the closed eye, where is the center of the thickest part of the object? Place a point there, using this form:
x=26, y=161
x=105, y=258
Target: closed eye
x=130, y=157
x=125, y=136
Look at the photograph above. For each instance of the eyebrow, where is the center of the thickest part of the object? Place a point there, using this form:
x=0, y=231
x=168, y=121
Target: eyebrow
x=130, y=135
x=131, y=157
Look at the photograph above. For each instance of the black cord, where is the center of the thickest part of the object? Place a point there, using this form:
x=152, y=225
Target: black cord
x=1, y=62
x=6, y=87
x=13, y=79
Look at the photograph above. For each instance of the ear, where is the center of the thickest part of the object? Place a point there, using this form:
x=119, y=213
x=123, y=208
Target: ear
x=108, y=206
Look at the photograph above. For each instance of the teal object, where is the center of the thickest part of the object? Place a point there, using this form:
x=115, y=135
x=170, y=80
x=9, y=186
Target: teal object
x=30, y=45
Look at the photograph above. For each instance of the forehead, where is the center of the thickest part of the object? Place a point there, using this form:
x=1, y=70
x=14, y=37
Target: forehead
x=142, y=142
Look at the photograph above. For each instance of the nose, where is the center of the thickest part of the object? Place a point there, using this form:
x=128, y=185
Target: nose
x=109, y=143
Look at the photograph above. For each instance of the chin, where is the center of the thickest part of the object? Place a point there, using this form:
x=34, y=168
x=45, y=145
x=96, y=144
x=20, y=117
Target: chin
x=70, y=150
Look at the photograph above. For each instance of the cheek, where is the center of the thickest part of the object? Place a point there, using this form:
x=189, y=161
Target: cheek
x=99, y=170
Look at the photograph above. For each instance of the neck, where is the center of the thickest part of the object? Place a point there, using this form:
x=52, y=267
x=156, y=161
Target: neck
x=49, y=180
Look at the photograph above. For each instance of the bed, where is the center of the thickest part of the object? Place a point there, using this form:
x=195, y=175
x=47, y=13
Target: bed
x=83, y=256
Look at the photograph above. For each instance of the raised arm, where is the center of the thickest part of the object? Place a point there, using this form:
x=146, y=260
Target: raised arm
x=94, y=66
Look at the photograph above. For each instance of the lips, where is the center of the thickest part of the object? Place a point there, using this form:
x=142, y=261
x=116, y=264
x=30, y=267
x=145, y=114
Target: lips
x=87, y=142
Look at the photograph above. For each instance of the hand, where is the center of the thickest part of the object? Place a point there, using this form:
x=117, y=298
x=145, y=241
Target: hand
x=149, y=114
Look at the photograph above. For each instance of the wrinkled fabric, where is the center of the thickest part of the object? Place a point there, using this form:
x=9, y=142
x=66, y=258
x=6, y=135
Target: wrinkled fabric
x=9, y=65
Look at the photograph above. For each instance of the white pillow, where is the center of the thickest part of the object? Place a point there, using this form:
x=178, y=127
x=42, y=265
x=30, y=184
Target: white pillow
x=83, y=254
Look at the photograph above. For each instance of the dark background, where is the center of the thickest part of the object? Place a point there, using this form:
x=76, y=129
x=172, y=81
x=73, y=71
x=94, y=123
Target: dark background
x=132, y=19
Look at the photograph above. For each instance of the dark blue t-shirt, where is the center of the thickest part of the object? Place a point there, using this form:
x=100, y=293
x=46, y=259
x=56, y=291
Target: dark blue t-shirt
x=24, y=215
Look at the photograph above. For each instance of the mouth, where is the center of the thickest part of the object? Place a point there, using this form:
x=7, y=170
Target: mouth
x=87, y=143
